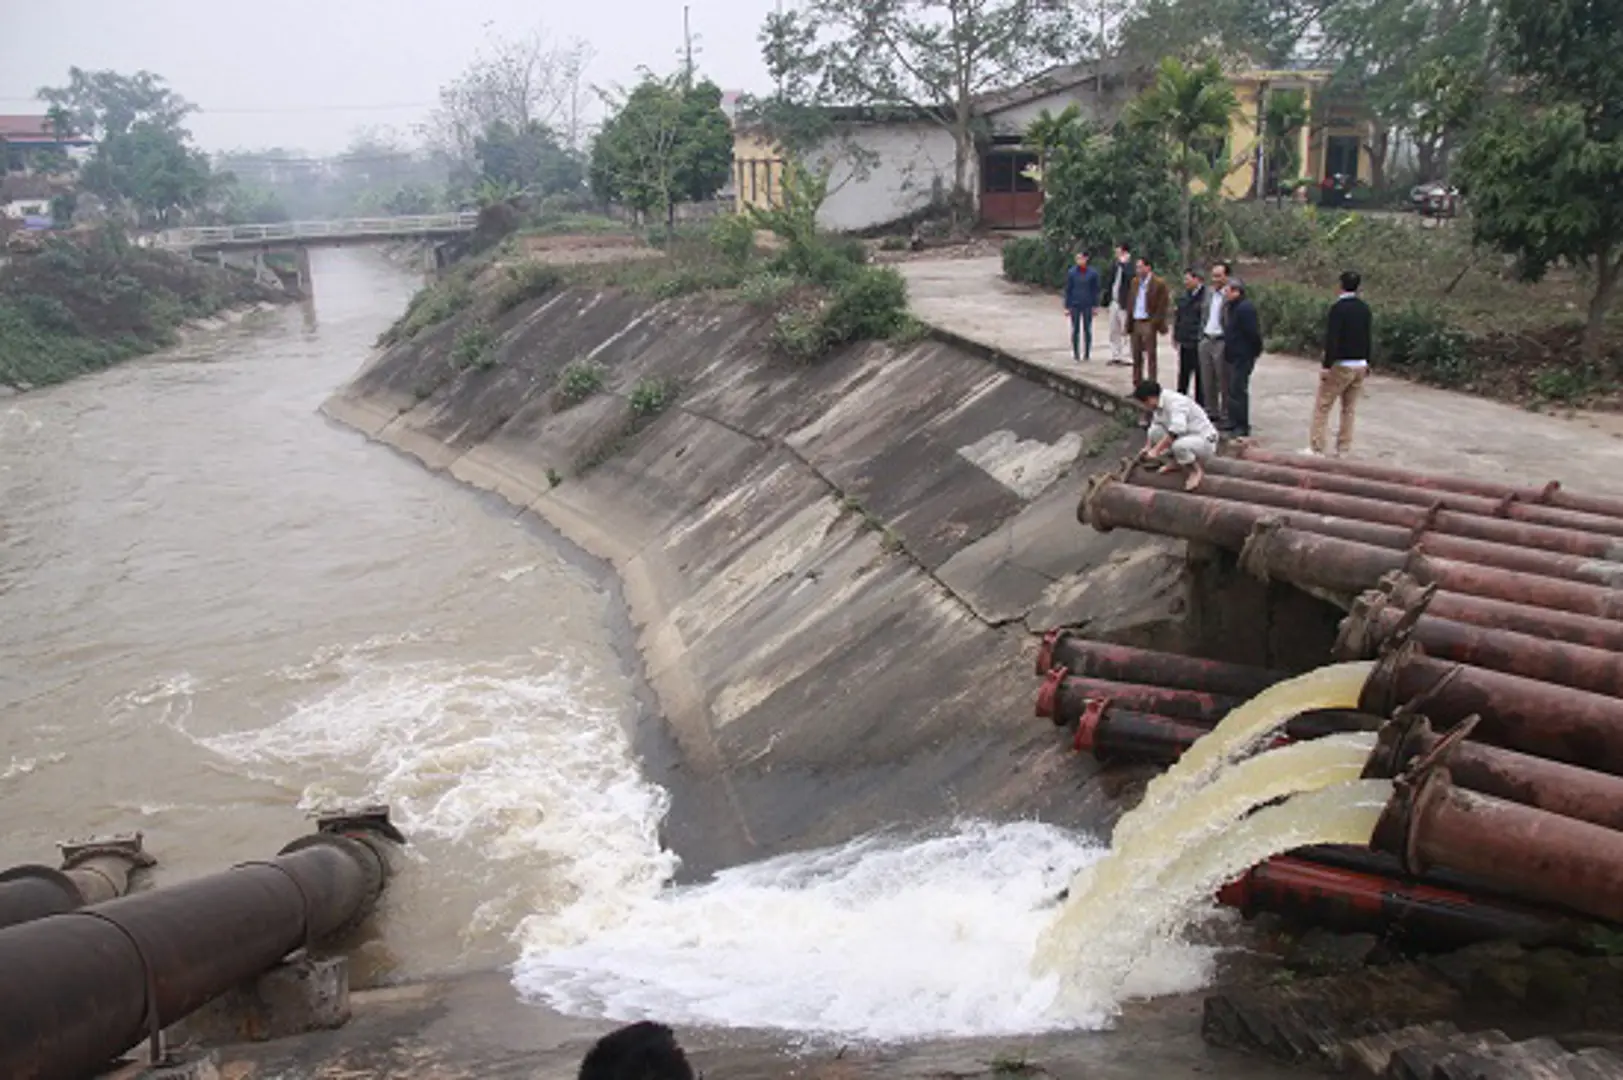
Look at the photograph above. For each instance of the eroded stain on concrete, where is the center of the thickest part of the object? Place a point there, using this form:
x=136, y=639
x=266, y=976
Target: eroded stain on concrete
x=1026, y=467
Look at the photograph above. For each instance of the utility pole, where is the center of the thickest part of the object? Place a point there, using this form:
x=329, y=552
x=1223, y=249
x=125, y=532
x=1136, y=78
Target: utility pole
x=1099, y=70
x=687, y=48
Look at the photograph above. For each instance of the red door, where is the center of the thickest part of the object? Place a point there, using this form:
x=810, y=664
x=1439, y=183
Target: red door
x=1009, y=198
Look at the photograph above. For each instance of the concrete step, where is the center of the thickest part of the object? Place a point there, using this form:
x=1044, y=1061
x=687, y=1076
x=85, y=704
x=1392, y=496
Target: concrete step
x=1419, y=1060
x=1535, y=1059
x=1596, y=1064
x=1311, y=1020
x=1369, y=1055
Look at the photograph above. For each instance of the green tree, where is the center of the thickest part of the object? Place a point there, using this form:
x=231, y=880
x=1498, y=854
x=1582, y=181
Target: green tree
x=1190, y=107
x=664, y=143
x=1385, y=48
x=936, y=58
x=1541, y=172
x=1102, y=188
x=151, y=169
x=106, y=104
x=527, y=159
x=1284, y=118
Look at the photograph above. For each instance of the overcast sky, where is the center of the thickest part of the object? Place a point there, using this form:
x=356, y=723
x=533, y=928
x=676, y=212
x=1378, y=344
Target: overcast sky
x=307, y=73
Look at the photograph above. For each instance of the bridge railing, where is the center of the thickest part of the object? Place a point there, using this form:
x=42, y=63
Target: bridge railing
x=404, y=225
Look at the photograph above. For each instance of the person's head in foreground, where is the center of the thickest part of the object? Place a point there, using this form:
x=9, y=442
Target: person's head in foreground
x=1148, y=394
x=1350, y=281
x=1192, y=279
x=1081, y=260
x=1235, y=290
x=641, y=1051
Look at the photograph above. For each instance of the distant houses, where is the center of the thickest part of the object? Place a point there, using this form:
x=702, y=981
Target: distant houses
x=23, y=139
x=906, y=156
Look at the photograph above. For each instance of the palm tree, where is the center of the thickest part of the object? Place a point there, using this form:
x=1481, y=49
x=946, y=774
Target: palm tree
x=1190, y=106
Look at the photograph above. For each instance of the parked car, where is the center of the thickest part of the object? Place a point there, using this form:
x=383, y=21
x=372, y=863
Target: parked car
x=1435, y=199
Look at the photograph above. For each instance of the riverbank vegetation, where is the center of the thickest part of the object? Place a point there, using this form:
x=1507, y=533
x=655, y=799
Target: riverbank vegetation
x=87, y=301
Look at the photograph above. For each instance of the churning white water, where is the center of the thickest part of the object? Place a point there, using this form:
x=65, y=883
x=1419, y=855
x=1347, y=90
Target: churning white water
x=885, y=938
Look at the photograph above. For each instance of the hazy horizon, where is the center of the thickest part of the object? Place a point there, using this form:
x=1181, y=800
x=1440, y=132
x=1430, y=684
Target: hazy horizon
x=309, y=75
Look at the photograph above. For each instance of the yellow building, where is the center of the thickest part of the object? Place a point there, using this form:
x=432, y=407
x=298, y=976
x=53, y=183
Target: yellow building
x=1332, y=142
x=757, y=170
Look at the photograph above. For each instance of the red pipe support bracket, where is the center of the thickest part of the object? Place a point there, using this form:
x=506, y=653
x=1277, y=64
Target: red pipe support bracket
x=1045, y=650
x=1529, y=853
x=1552, y=494
x=1087, y=725
x=1048, y=696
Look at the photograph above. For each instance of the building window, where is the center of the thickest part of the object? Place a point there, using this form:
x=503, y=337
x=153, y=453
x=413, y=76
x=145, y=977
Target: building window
x=998, y=175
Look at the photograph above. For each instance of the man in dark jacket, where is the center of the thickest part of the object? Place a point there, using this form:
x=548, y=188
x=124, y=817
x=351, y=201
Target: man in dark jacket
x=1186, y=332
x=1348, y=337
x=1081, y=297
x=1242, y=344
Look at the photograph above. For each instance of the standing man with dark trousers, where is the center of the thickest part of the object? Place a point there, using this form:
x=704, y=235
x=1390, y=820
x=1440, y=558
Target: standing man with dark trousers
x=1121, y=296
x=1213, y=371
x=1147, y=319
x=1242, y=345
x=1081, y=298
x=1186, y=332
x=1349, y=338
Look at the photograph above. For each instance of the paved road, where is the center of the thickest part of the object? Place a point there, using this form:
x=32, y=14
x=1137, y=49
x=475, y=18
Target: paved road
x=1401, y=423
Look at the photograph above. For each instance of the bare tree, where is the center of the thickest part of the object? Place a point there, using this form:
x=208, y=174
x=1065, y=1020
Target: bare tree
x=521, y=81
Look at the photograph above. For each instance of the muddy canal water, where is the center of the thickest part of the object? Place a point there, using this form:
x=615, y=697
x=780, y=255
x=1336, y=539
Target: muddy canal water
x=219, y=611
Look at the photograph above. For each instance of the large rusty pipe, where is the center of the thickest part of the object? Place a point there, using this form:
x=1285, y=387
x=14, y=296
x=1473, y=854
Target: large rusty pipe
x=1121, y=663
x=1552, y=494
x=81, y=988
x=91, y=873
x=1525, y=852
x=1416, y=915
x=1376, y=623
x=1309, y=559
x=1574, y=726
x=1383, y=491
x=1151, y=504
x=1482, y=611
x=1417, y=519
x=1063, y=698
x=1113, y=734
x=1567, y=790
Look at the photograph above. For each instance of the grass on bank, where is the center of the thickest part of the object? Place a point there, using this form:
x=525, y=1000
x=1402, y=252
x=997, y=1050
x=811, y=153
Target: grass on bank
x=1447, y=313
x=86, y=301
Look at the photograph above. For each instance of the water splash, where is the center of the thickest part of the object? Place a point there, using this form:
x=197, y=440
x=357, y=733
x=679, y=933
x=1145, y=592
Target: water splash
x=1337, y=686
x=1095, y=941
x=887, y=938
x=492, y=756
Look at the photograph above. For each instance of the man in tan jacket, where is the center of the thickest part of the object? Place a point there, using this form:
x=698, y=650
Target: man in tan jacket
x=1149, y=301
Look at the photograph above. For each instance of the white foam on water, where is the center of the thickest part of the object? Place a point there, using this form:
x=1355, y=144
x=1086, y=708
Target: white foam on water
x=26, y=766
x=886, y=939
x=493, y=756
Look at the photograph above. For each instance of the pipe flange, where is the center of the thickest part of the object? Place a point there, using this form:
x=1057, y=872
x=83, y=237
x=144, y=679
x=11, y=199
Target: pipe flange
x=1398, y=742
x=129, y=848
x=1355, y=640
x=373, y=860
x=1087, y=725
x=1379, y=695
x=1255, y=552
x=1045, y=650
x=1085, y=515
x=1048, y=696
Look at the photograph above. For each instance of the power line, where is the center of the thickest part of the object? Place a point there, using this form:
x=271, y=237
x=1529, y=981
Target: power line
x=272, y=110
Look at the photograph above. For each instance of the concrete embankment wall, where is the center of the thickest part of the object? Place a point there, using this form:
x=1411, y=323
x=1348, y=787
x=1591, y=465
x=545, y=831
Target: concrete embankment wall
x=834, y=570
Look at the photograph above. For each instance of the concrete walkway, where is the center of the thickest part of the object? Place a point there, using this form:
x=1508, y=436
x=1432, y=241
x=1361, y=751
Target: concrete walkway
x=1399, y=423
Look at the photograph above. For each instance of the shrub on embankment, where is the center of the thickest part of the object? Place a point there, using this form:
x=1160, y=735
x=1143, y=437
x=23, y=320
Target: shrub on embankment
x=86, y=302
